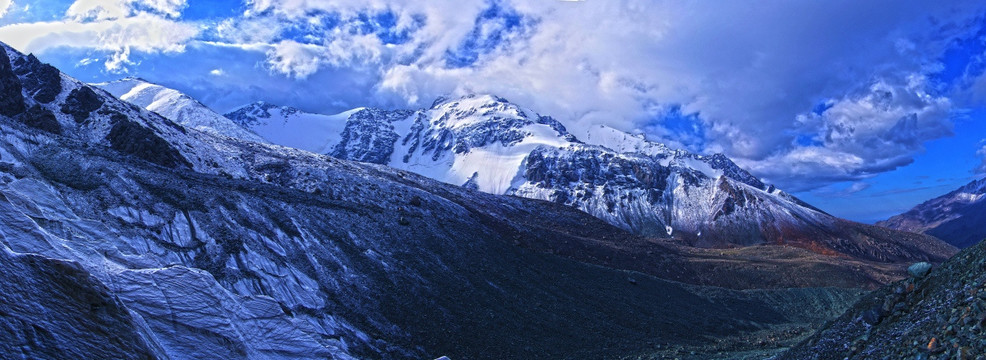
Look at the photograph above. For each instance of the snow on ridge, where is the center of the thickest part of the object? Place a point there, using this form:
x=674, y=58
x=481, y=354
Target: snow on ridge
x=176, y=106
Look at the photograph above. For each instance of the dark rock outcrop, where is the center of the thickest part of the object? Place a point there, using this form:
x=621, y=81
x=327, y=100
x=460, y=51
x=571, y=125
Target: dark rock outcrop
x=129, y=137
x=81, y=102
x=11, y=98
x=41, y=118
x=369, y=136
x=42, y=81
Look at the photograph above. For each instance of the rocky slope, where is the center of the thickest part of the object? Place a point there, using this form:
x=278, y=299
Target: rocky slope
x=956, y=217
x=938, y=316
x=128, y=235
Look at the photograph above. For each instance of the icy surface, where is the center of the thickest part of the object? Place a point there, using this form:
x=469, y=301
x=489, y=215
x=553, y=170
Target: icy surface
x=292, y=127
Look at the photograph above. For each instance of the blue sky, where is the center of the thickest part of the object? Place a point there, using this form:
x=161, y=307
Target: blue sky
x=863, y=108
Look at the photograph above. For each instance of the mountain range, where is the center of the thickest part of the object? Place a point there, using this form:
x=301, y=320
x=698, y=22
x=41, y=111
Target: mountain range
x=173, y=233
x=956, y=217
x=488, y=143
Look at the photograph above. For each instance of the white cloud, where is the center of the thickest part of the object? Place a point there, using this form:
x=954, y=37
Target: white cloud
x=4, y=6
x=96, y=10
x=217, y=72
x=857, y=187
x=171, y=8
x=294, y=59
x=143, y=32
x=859, y=136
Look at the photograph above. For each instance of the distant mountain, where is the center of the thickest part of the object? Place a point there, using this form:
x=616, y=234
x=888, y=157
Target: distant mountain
x=175, y=106
x=957, y=217
x=490, y=144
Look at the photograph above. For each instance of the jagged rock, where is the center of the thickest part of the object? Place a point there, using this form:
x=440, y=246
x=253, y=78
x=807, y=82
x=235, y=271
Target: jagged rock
x=927, y=323
x=42, y=81
x=370, y=137
x=471, y=183
x=54, y=309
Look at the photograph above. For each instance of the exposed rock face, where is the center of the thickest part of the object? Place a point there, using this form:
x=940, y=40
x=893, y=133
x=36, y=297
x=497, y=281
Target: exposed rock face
x=956, y=217
x=369, y=139
x=939, y=316
x=80, y=103
x=11, y=98
x=250, y=115
x=42, y=81
x=41, y=118
x=674, y=195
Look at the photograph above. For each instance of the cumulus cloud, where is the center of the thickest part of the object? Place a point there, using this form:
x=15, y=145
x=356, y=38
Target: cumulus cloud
x=83, y=10
x=143, y=32
x=300, y=60
x=859, y=136
x=294, y=59
x=4, y=6
x=116, y=27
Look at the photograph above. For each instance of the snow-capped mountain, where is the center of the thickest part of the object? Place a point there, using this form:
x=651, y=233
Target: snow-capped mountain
x=285, y=125
x=956, y=217
x=175, y=106
x=450, y=142
x=490, y=144
x=126, y=235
